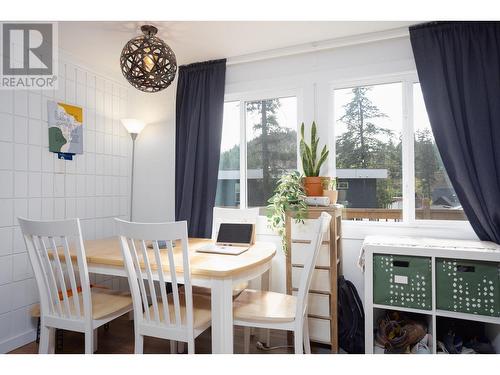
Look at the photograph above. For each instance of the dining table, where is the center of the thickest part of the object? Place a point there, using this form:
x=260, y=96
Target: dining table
x=219, y=272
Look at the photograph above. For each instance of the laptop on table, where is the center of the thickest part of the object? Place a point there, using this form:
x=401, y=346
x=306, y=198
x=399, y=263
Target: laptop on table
x=232, y=239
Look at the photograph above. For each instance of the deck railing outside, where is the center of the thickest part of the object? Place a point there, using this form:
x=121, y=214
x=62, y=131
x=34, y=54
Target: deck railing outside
x=383, y=214
x=388, y=214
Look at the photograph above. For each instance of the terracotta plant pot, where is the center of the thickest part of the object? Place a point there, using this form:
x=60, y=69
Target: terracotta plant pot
x=332, y=194
x=313, y=186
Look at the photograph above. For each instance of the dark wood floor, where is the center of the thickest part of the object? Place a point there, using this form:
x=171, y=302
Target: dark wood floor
x=119, y=339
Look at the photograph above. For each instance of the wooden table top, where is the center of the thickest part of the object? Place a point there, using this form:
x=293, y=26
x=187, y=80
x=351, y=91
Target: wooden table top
x=107, y=252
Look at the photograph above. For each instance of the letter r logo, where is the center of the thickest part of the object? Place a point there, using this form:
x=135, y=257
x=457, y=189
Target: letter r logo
x=27, y=48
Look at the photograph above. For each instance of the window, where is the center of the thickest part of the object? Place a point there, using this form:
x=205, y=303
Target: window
x=271, y=145
x=268, y=145
x=382, y=138
x=435, y=198
x=228, y=183
x=386, y=161
x=368, y=128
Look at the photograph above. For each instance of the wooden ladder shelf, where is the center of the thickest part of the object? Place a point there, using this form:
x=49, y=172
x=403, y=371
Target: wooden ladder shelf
x=323, y=291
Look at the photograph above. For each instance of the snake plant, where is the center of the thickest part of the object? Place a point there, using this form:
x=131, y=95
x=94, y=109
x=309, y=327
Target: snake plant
x=308, y=153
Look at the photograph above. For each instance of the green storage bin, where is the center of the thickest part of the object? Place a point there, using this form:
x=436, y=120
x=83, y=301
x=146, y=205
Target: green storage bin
x=468, y=286
x=402, y=281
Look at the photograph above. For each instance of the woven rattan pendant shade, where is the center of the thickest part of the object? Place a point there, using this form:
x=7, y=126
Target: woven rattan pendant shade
x=147, y=62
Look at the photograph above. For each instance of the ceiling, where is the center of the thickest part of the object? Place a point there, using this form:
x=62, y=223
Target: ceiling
x=98, y=44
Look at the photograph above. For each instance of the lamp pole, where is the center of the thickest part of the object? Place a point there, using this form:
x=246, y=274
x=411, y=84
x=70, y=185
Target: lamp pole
x=134, y=127
x=133, y=136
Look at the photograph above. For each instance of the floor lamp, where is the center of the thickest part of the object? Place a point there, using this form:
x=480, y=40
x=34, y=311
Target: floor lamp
x=134, y=127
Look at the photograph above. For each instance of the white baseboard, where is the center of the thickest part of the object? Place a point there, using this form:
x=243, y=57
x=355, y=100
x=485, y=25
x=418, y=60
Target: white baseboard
x=17, y=341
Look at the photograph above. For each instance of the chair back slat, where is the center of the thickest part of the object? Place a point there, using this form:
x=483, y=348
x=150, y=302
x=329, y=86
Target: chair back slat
x=322, y=224
x=72, y=277
x=188, y=288
x=138, y=273
x=149, y=275
x=175, y=286
x=39, y=266
x=60, y=275
x=175, y=303
x=48, y=245
x=161, y=280
x=48, y=270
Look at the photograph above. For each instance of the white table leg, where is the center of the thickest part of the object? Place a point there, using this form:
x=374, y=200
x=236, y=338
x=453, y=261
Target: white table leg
x=265, y=284
x=222, y=316
x=265, y=281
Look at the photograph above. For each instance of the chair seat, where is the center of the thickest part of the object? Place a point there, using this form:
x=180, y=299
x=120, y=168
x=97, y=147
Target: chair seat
x=201, y=310
x=237, y=289
x=104, y=303
x=262, y=306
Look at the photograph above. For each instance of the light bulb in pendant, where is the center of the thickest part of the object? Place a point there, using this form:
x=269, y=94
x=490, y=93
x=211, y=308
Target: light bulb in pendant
x=148, y=62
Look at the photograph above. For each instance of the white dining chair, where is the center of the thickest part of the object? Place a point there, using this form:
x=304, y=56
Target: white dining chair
x=66, y=299
x=272, y=310
x=176, y=316
x=233, y=216
x=236, y=216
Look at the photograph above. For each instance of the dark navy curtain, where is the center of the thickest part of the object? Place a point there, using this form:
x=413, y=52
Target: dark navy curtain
x=199, y=110
x=458, y=65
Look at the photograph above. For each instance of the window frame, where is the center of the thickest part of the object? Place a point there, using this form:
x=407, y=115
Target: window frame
x=315, y=100
x=250, y=96
x=407, y=80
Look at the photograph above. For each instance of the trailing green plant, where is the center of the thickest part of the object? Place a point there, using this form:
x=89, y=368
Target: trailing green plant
x=308, y=153
x=289, y=195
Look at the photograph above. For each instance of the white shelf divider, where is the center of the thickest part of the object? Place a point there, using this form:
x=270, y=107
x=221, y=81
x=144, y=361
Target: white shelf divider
x=465, y=316
x=401, y=308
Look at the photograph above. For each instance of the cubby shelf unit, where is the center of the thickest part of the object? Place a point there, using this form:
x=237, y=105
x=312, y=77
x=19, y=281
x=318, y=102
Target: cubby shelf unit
x=433, y=249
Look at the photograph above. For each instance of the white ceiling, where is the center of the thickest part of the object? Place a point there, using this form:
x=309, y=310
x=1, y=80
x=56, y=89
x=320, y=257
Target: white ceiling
x=98, y=44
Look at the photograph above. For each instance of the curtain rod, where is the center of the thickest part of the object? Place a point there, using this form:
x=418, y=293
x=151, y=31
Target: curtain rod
x=320, y=46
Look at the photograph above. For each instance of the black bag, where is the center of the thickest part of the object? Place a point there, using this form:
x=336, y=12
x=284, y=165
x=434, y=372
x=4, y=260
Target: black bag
x=351, y=318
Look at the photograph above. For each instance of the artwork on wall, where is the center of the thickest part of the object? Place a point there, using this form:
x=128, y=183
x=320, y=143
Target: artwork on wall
x=65, y=129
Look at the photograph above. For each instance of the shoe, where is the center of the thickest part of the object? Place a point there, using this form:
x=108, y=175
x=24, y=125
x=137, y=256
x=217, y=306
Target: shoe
x=468, y=351
x=416, y=332
x=422, y=347
x=453, y=343
x=441, y=348
x=481, y=345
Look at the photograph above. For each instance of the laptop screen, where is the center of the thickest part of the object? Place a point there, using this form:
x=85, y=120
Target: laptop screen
x=235, y=233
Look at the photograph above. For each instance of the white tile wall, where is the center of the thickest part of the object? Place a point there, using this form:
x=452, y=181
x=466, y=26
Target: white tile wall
x=35, y=184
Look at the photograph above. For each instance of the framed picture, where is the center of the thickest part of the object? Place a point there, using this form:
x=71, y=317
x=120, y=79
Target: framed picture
x=65, y=128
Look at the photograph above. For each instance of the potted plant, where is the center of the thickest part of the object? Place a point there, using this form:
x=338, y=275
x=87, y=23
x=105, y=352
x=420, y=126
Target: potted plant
x=311, y=163
x=330, y=189
x=289, y=195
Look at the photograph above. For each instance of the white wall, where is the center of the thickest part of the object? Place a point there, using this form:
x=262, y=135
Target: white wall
x=35, y=184
x=154, y=180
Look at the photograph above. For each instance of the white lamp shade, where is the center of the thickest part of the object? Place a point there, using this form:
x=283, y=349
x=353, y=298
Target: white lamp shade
x=132, y=125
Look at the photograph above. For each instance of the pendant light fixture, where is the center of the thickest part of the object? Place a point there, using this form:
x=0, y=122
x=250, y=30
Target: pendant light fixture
x=147, y=62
